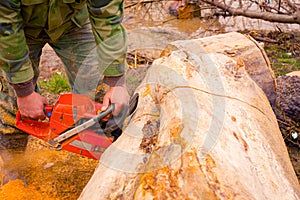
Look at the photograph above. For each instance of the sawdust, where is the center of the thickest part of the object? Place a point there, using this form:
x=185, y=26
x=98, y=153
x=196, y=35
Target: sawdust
x=49, y=174
x=16, y=190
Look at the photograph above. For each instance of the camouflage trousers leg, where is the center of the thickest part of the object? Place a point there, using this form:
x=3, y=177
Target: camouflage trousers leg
x=13, y=142
x=10, y=136
x=77, y=50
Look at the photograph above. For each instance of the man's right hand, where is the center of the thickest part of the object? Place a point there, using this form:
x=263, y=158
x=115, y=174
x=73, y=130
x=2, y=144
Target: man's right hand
x=32, y=106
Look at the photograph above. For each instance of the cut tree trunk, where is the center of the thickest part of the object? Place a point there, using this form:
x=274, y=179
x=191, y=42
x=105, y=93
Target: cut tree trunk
x=203, y=129
x=241, y=48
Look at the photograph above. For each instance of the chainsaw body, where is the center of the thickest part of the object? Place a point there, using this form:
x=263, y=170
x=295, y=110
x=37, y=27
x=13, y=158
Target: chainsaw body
x=69, y=111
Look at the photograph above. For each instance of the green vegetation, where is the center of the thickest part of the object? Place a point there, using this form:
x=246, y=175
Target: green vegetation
x=282, y=61
x=283, y=51
x=56, y=84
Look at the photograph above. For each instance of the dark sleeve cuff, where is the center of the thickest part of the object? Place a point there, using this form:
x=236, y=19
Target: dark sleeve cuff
x=114, y=80
x=23, y=89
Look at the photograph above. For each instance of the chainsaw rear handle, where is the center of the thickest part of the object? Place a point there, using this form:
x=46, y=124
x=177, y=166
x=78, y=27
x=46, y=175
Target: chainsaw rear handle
x=39, y=129
x=48, y=110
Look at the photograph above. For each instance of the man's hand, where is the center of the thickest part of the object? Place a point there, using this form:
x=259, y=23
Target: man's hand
x=117, y=95
x=32, y=106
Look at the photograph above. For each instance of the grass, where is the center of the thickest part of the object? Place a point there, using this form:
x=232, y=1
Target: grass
x=56, y=84
x=284, y=55
x=281, y=60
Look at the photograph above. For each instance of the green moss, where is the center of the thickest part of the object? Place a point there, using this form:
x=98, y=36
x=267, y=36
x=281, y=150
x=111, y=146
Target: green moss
x=282, y=62
x=56, y=84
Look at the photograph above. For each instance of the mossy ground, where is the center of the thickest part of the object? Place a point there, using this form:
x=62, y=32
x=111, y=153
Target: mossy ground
x=283, y=51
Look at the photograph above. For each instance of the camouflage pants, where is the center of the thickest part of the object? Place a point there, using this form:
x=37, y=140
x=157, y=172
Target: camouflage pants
x=77, y=50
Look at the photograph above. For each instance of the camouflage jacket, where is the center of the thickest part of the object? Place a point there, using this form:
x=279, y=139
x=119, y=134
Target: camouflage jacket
x=30, y=17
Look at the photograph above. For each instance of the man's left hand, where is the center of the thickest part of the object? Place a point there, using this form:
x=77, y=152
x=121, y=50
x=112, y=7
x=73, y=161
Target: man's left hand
x=117, y=95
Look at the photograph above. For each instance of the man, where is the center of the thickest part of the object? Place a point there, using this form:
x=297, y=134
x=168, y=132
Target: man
x=77, y=30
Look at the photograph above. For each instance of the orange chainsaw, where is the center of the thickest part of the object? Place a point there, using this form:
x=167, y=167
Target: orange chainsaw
x=76, y=124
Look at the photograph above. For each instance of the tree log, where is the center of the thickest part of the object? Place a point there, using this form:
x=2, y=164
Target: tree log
x=203, y=129
x=241, y=48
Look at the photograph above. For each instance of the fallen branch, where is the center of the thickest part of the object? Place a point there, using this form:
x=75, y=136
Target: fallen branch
x=268, y=16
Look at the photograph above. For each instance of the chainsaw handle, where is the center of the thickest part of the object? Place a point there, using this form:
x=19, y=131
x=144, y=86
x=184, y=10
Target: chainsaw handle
x=48, y=110
x=111, y=107
x=33, y=127
x=106, y=112
x=18, y=116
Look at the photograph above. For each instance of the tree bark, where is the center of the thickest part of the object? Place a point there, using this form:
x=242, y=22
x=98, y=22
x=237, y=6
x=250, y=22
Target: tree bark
x=293, y=18
x=243, y=49
x=203, y=129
